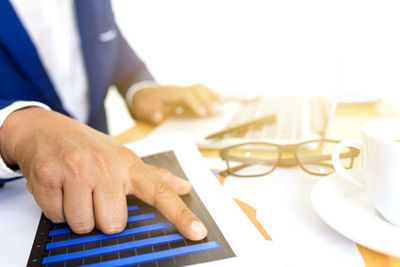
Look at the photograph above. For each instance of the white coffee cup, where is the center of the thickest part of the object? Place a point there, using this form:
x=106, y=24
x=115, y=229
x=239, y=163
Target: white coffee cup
x=381, y=165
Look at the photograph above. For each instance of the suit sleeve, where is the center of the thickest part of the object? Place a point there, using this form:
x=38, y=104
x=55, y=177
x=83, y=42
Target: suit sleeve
x=4, y=103
x=129, y=68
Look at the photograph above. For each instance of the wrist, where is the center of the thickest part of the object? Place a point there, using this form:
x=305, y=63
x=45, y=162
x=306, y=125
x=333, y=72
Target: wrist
x=14, y=131
x=136, y=88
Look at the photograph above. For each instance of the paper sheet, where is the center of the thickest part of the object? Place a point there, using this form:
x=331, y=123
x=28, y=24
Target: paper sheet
x=19, y=218
x=283, y=204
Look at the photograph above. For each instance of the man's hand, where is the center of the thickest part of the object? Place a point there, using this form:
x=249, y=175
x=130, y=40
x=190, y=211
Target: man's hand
x=79, y=175
x=156, y=104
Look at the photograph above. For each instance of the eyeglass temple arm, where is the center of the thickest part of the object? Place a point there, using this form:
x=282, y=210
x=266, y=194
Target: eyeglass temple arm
x=308, y=159
x=318, y=158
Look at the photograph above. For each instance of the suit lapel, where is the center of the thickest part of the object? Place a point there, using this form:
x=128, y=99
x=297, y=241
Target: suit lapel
x=17, y=42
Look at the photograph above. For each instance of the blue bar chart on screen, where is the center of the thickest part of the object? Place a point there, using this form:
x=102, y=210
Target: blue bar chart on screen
x=148, y=240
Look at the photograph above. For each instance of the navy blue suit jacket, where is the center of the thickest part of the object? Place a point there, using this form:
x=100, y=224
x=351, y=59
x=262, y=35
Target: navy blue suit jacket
x=112, y=62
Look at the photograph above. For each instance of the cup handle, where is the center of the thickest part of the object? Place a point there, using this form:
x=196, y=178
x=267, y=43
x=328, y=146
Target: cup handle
x=338, y=165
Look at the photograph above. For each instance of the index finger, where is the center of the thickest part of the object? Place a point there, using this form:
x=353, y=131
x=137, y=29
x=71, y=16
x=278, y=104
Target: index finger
x=150, y=188
x=211, y=94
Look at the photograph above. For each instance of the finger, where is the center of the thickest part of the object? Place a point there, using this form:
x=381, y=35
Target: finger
x=215, y=96
x=205, y=99
x=191, y=100
x=160, y=115
x=157, y=117
x=156, y=113
x=179, y=185
x=211, y=94
x=151, y=189
x=171, y=97
x=78, y=206
x=48, y=194
x=110, y=207
x=147, y=105
x=153, y=114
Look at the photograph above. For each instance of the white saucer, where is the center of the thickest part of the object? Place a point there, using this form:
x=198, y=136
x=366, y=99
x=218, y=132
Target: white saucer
x=348, y=209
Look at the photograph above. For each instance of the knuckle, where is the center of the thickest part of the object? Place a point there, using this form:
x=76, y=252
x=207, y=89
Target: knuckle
x=162, y=189
x=161, y=192
x=44, y=174
x=100, y=159
x=73, y=162
x=183, y=213
x=132, y=161
x=128, y=155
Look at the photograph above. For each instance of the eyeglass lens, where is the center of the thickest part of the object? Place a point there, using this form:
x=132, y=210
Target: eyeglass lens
x=315, y=157
x=252, y=159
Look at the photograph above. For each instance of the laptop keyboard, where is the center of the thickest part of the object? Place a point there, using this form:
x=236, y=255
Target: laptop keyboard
x=289, y=118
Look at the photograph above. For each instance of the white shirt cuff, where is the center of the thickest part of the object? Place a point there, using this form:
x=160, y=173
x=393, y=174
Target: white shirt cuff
x=5, y=171
x=136, y=88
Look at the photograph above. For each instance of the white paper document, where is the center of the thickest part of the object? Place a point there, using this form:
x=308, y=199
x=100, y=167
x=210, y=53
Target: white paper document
x=283, y=204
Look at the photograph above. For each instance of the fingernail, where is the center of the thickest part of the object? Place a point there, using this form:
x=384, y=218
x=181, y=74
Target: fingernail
x=186, y=185
x=157, y=117
x=199, y=230
x=202, y=111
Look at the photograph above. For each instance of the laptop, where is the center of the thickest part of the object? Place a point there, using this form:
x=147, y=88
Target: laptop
x=276, y=119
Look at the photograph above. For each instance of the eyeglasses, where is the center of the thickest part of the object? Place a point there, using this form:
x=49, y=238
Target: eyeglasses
x=259, y=158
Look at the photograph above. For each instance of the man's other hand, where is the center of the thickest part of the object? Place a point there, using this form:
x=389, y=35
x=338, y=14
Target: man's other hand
x=156, y=104
x=79, y=175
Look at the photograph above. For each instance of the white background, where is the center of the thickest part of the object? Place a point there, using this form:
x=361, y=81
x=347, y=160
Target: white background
x=270, y=47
